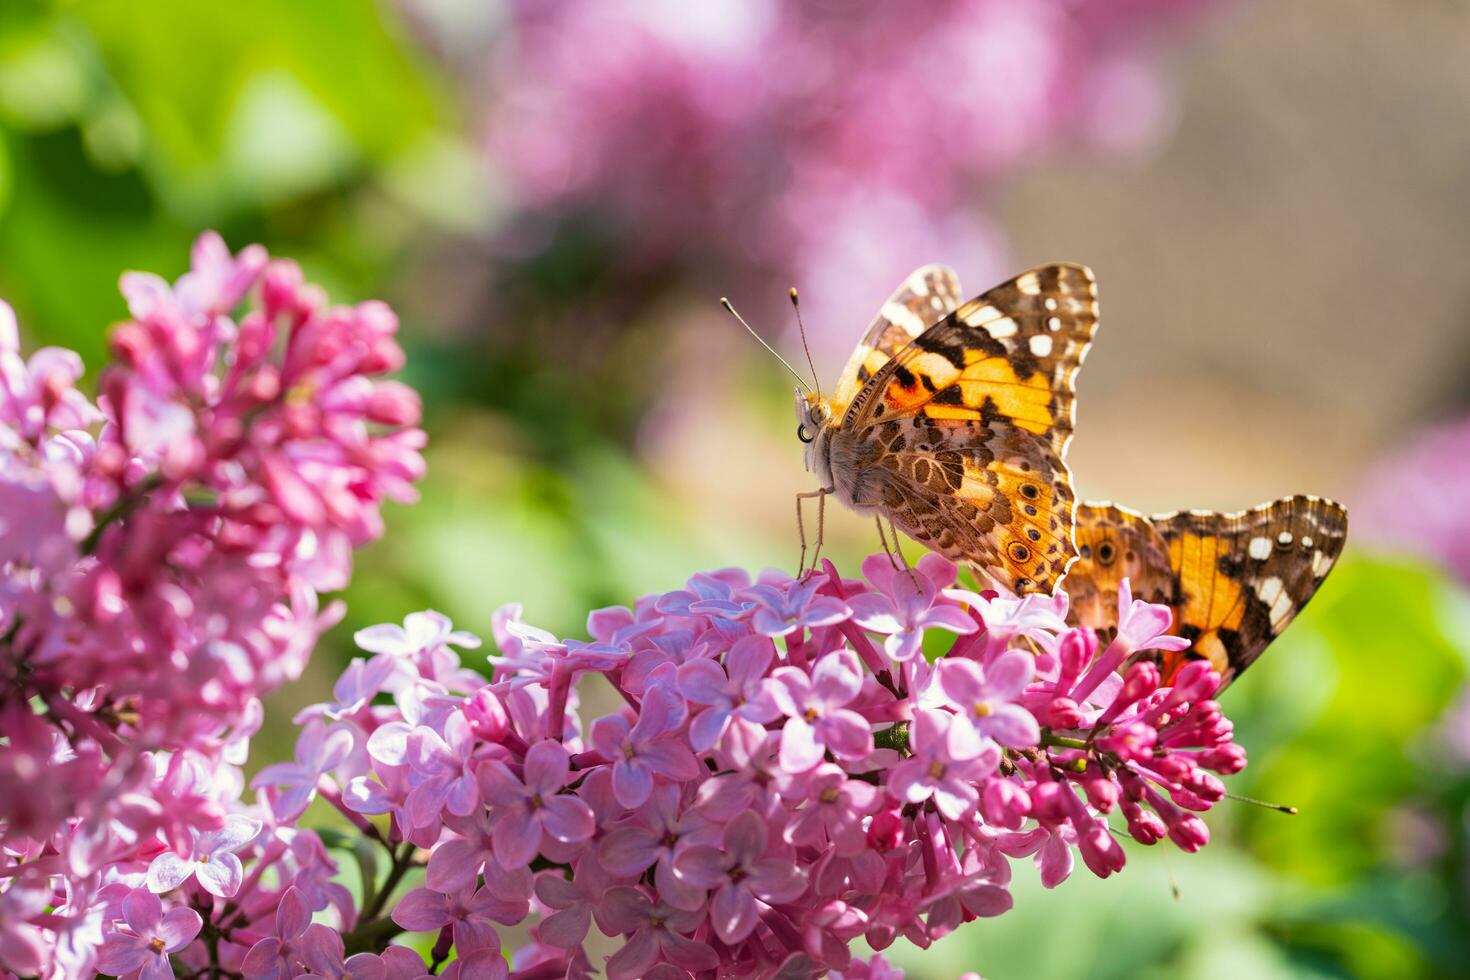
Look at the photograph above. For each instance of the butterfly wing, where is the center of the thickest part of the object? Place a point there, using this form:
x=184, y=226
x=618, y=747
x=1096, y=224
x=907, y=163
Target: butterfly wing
x=1241, y=578
x=1113, y=543
x=927, y=296
x=961, y=435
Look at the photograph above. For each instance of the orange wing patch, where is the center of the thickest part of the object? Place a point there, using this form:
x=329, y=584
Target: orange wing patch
x=1234, y=581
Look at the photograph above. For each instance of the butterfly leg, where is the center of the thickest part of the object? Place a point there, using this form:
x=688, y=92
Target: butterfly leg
x=821, y=495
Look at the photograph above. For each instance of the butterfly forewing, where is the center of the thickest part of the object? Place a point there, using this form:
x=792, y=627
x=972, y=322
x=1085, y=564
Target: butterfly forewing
x=960, y=436
x=927, y=296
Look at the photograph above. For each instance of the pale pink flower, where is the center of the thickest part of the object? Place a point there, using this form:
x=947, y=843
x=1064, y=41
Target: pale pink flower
x=153, y=934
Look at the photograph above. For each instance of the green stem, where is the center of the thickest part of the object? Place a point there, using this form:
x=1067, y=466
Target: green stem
x=1062, y=741
x=124, y=506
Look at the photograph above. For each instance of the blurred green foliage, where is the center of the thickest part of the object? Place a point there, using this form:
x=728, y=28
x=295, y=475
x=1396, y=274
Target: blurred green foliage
x=320, y=129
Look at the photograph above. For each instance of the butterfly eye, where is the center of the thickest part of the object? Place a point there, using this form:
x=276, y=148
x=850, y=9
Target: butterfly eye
x=803, y=434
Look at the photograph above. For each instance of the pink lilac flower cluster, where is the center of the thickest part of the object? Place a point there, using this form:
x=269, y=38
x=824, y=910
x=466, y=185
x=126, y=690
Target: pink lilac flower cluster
x=790, y=137
x=781, y=770
x=161, y=552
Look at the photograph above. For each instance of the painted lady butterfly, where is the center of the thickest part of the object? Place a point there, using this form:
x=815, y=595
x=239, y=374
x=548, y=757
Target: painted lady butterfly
x=952, y=421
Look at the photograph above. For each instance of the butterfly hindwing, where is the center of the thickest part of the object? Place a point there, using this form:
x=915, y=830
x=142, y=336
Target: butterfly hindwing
x=966, y=428
x=1234, y=581
x=1113, y=543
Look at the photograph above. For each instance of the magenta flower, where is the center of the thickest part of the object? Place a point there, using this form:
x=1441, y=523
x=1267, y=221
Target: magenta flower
x=655, y=930
x=442, y=774
x=645, y=750
x=154, y=935
x=572, y=902
x=422, y=642
x=835, y=808
x=908, y=602
x=212, y=861
x=322, y=952
x=983, y=698
x=782, y=611
x=319, y=750
x=937, y=770
x=816, y=717
x=275, y=957
x=525, y=811
x=504, y=898
x=742, y=875
x=658, y=835
x=736, y=691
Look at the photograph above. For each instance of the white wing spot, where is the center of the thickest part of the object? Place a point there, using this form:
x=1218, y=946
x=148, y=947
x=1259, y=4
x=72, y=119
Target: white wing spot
x=904, y=317
x=1002, y=327
x=1053, y=323
x=1029, y=284
x=1274, y=595
x=1284, y=537
x=1040, y=344
x=1260, y=548
x=1321, y=564
x=1050, y=302
x=1306, y=542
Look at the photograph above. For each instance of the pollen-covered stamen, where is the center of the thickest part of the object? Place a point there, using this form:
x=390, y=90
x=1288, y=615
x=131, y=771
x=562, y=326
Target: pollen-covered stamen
x=830, y=795
x=936, y=770
x=982, y=709
x=156, y=945
x=811, y=714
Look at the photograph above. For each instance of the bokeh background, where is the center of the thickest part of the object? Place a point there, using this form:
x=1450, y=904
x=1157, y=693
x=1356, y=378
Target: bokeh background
x=1276, y=199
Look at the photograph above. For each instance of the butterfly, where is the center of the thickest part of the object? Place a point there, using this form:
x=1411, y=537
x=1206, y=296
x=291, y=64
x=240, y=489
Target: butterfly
x=1234, y=581
x=952, y=420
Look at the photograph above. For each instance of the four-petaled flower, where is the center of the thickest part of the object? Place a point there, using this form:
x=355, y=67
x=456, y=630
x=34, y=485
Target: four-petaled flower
x=984, y=700
x=646, y=749
x=525, y=809
x=783, y=611
x=212, y=860
x=742, y=876
x=908, y=602
x=319, y=750
x=816, y=718
x=737, y=691
x=653, y=930
x=936, y=769
x=155, y=934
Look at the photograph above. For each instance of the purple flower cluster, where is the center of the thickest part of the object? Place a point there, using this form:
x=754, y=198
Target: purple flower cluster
x=783, y=771
x=161, y=551
x=795, y=137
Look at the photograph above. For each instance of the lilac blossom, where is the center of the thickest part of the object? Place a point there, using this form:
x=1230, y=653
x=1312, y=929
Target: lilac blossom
x=211, y=861
x=152, y=935
x=816, y=717
x=527, y=810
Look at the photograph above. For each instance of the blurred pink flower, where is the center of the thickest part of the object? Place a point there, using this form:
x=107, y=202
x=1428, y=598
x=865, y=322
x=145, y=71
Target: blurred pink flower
x=756, y=136
x=1415, y=501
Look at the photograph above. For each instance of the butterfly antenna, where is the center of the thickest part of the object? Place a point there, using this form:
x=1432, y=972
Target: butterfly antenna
x=1279, y=808
x=801, y=328
x=802, y=381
